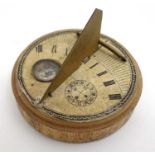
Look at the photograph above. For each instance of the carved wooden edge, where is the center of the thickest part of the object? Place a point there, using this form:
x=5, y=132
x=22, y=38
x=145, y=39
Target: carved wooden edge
x=74, y=136
x=75, y=131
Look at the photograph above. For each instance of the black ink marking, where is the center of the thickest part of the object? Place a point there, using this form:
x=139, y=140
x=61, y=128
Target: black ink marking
x=101, y=73
x=108, y=83
x=39, y=48
x=54, y=49
x=66, y=52
x=93, y=65
x=115, y=97
x=86, y=60
x=50, y=94
x=76, y=97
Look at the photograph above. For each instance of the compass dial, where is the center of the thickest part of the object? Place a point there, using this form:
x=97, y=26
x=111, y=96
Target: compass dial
x=45, y=70
x=100, y=86
x=80, y=93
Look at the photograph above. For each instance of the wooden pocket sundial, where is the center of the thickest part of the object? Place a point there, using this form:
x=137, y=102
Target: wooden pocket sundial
x=77, y=85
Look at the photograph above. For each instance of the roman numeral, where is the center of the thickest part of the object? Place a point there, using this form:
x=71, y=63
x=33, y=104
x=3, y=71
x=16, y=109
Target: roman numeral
x=101, y=73
x=93, y=65
x=115, y=97
x=54, y=49
x=108, y=83
x=39, y=48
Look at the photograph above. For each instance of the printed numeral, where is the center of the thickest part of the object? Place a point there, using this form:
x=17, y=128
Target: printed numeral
x=115, y=97
x=101, y=73
x=93, y=65
x=54, y=49
x=39, y=48
x=108, y=83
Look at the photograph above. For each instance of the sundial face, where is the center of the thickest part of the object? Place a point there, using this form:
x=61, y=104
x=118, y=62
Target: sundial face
x=101, y=86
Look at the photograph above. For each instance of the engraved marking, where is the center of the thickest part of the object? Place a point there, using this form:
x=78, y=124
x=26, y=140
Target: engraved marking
x=66, y=52
x=50, y=94
x=86, y=60
x=101, y=73
x=108, y=83
x=115, y=97
x=39, y=48
x=93, y=65
x=54, y=49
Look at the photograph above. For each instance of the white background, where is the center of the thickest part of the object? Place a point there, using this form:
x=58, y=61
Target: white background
x=131, y=22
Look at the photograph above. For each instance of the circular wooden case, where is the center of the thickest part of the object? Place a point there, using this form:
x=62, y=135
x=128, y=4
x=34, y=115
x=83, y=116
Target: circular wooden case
x=78, y=132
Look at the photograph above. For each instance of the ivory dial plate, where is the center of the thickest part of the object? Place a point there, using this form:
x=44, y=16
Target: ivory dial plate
x=100, y=87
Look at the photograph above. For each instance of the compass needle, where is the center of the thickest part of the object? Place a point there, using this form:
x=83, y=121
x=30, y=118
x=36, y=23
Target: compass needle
x=84, y=47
